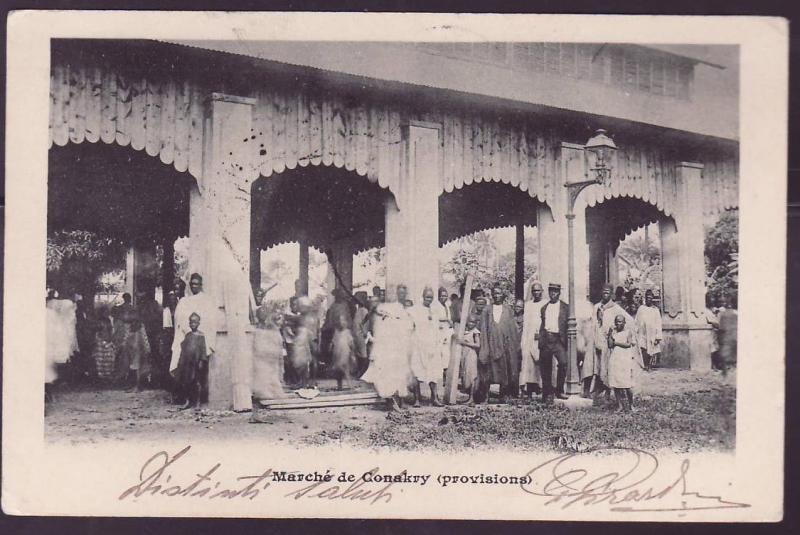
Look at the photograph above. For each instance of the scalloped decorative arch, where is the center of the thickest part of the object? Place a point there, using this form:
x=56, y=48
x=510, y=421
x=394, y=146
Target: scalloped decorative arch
x=299, y=126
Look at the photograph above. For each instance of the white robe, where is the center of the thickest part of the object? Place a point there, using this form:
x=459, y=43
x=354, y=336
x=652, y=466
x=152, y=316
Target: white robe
x=426, y=359
x=649, y=328
x=390, y=368
x=205, y=307
x=532, y=320
x=445, y=332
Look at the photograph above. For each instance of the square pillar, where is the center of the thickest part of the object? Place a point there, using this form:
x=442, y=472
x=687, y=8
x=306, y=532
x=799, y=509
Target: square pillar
x=552, y=248
x=688, y=337
x=552, y=226
x=519, y=261
x=129, y=271
x=343, y=262
x=671, y=301
x=255, y=267
x=220, y=237
x=412, y=224
x=141, y=270
x=167, y=266
x=693, y=240
x=303, y=269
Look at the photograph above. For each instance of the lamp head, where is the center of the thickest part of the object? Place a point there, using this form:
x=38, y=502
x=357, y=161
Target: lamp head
x=602, y=146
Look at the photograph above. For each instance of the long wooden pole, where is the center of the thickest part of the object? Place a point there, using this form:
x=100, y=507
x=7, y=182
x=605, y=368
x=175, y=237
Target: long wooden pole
x=451, y=381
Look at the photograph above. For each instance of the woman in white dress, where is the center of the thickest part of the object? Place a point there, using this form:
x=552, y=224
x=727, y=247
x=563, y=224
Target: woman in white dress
x=623, y=357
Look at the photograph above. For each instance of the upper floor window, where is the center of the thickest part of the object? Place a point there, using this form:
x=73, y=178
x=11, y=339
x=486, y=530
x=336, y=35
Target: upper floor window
x=628, y=67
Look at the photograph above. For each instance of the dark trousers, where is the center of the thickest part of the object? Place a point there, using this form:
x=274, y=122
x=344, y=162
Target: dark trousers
x=553, y=348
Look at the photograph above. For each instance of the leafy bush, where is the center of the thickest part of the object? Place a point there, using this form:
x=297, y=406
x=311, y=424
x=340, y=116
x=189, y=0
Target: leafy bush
x=722, y=258
x=76, y=259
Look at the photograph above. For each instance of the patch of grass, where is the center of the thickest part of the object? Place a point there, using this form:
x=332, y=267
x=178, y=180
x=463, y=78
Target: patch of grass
x=689, y=421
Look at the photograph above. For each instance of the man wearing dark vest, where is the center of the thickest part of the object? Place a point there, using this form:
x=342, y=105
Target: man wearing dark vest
x=553, y=344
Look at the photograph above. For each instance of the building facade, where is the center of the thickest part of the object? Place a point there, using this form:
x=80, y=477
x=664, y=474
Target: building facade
x=350, y=146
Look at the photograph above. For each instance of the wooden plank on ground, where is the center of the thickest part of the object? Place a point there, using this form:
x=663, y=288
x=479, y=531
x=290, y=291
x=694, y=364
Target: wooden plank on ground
x=313, y=404
x=324, y=396
x=451, y=381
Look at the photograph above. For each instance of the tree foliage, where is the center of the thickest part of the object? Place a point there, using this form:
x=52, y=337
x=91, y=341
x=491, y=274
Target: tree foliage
x=722, y=258
x=640, y=261
x=76, y=259
x=485, y=265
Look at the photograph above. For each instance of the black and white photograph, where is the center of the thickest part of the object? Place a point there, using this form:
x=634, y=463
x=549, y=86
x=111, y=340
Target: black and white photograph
x=396, y=249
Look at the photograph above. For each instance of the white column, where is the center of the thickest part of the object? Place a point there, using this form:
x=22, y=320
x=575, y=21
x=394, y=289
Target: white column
x=412, y=228
x=141, y=270
x=552, y=227
x=692, y=261
x=552, y=248
x=581, y=258
x=670, y=273
x=225, y=192
x=687, y=340
x=343, y=261
x=130, y=264
x=690, y=228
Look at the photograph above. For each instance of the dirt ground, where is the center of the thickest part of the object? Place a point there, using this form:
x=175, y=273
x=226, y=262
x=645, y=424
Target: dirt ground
x=678, y=410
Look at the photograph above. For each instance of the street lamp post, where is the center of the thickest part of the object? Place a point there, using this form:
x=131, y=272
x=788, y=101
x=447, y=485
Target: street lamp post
x=600, y=145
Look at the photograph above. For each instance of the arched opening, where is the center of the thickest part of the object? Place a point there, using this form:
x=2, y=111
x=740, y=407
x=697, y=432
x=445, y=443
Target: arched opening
x=625, y=248
x=125, y=196
x=114, y=216
x=332, y=210
x=488, y=228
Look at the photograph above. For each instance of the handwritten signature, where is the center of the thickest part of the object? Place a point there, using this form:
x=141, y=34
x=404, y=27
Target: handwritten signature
x=155, y=480
x=569, y=480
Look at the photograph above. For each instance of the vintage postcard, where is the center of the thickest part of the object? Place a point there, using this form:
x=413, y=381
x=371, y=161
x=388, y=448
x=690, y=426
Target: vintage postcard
x=395, y=266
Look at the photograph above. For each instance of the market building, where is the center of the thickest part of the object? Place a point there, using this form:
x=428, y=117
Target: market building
x=350, y=146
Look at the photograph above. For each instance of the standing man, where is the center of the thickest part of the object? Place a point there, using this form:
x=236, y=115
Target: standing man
x=203, y=305
x=649, y=328
x=604, y=313
x=553, y=343
x=530, y=374
x=445, y=329
x=728, y=332
x=498, y=358
x=152, y=316
x=426, y=360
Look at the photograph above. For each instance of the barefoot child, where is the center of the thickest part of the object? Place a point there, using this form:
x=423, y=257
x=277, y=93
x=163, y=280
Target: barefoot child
x=623, y=358
x=469, y=358
x=343, y=350
x=192, y=372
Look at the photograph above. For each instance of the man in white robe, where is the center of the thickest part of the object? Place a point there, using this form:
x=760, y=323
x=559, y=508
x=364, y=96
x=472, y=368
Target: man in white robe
x=445, y=327
x=426, y=360
x=530, y=376
x=650, y=331
x=203, y=305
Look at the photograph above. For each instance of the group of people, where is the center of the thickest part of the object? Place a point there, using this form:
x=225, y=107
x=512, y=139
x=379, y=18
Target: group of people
x=122, y=345
x=521, y=348
x=400, y=347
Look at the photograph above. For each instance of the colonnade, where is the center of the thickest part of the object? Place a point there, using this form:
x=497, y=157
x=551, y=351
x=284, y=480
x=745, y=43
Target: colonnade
x=220, y=241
